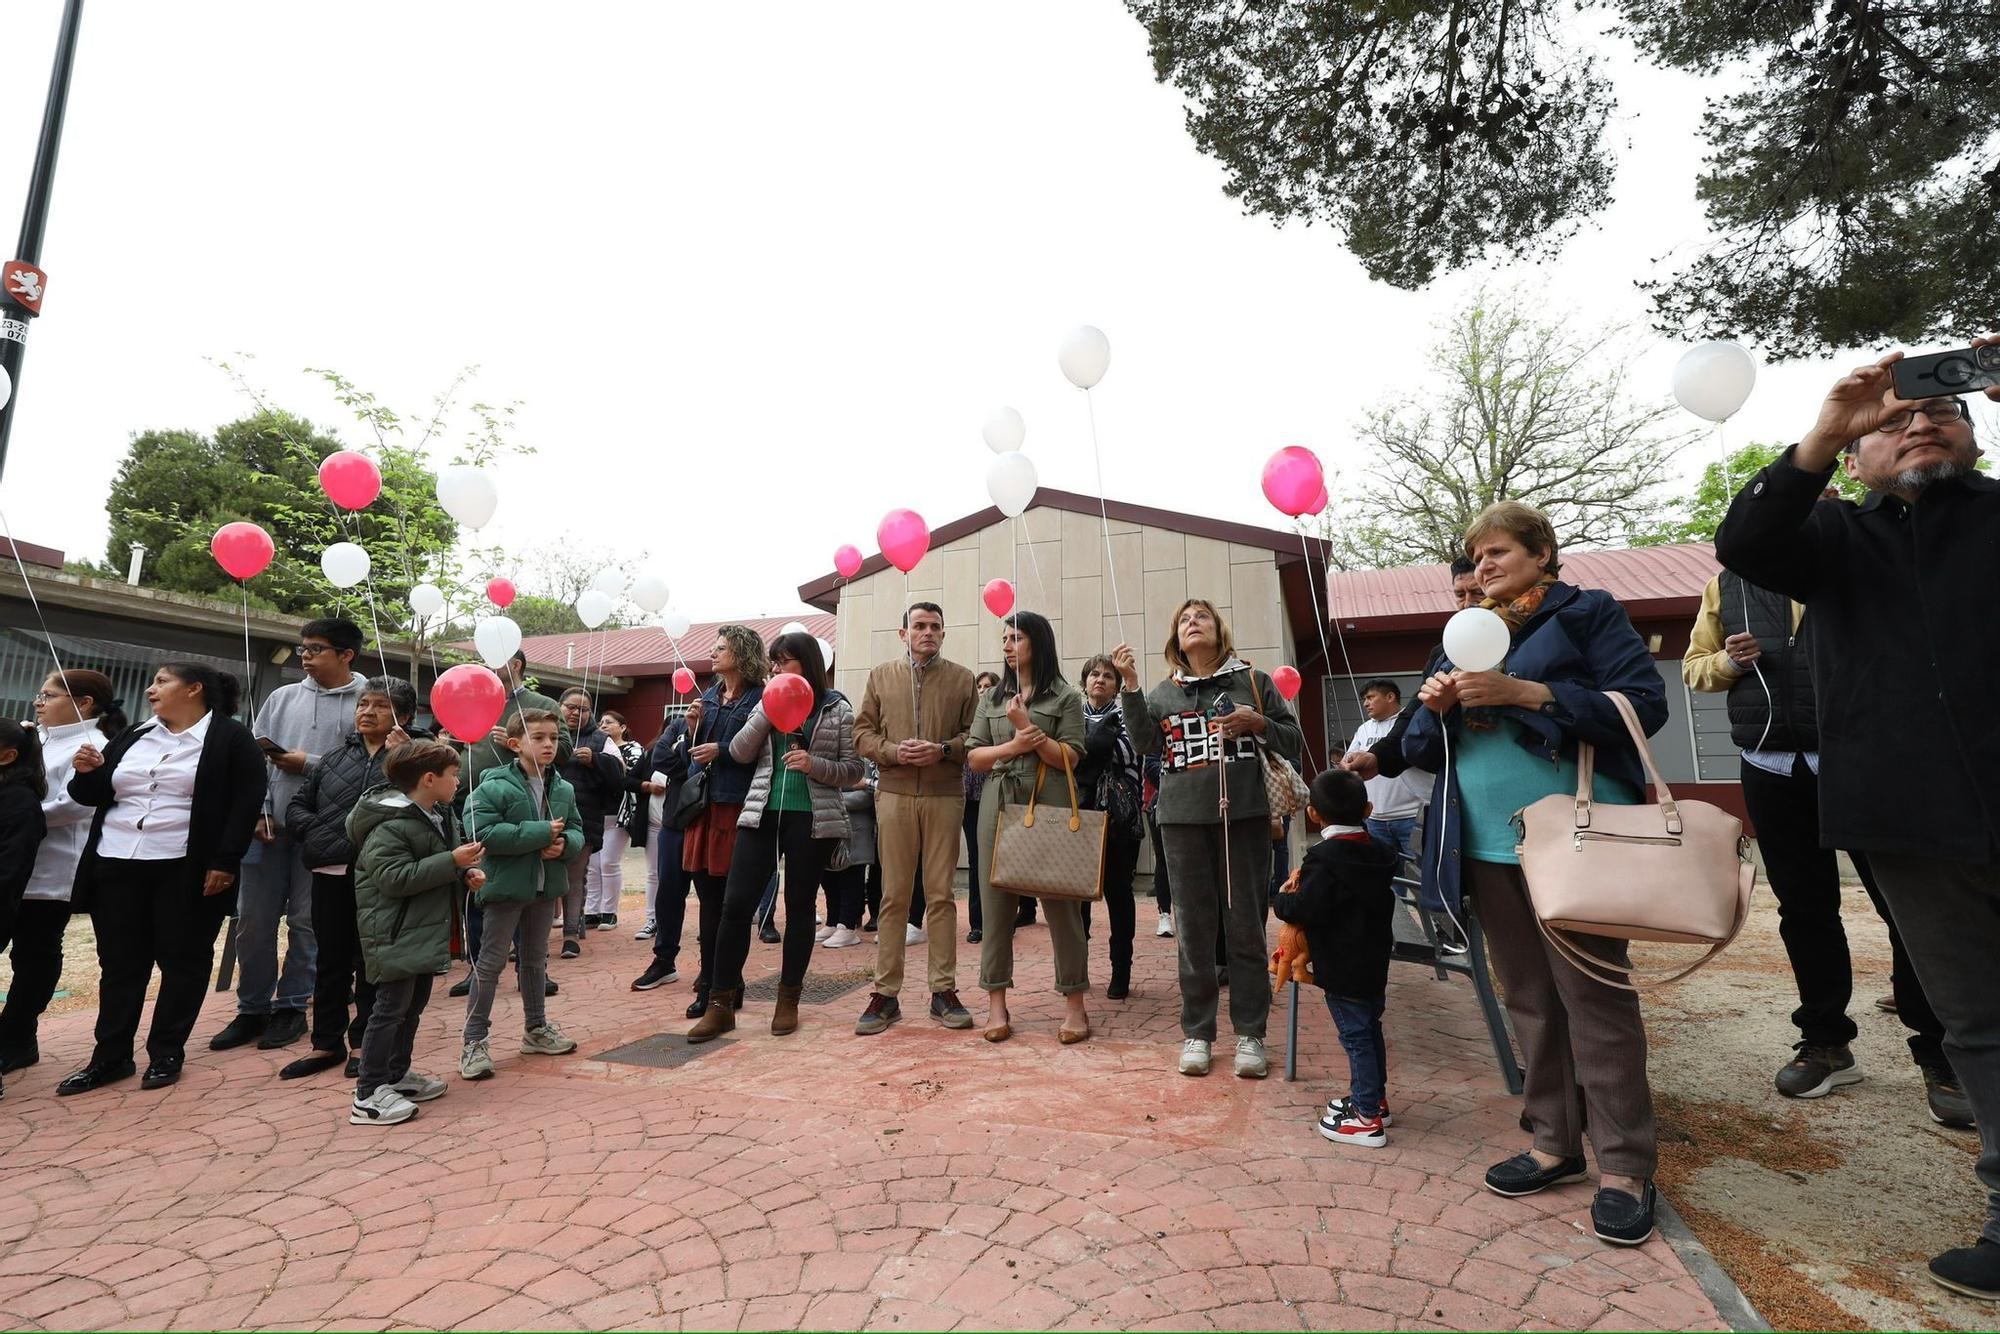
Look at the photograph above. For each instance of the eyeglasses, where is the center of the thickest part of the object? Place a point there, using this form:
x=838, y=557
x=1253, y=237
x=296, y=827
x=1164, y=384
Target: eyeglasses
x=314, y=650
x=1941, y=414
x=53, y=694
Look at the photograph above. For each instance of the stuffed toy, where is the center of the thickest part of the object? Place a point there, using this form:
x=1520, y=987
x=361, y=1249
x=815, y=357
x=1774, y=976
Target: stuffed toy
x=1293, y=961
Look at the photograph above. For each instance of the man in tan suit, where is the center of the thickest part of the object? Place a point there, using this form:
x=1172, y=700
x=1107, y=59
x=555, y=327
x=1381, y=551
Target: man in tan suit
x=913, y=722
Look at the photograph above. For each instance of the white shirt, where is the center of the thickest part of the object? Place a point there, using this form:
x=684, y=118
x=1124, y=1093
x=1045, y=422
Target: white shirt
x=152, y=795
x=1336, y=830
x=68, y=820
x=1396, y=798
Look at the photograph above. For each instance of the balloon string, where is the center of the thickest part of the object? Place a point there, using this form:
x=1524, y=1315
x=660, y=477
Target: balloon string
x=381, y=654
x=33, y=601
x=1104, y=518
x=1035, y=564
x=1313, y=575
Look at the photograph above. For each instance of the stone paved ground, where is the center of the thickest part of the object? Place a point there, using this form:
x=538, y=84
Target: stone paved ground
x=919, y=1180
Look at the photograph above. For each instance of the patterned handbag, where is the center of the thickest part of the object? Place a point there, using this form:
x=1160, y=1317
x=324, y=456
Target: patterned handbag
x=1049, y=858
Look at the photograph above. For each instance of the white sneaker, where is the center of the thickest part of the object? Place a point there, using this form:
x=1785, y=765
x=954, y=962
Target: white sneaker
x=821, y=934
x=1194, y=1057
x=843, y=937
x=1166, y=926
x=646, y=932
x=383, y=1107
x=914, y=935
x=418, y=1087
x=1250, y=1062
x=476, y=1061
x=547, y=1040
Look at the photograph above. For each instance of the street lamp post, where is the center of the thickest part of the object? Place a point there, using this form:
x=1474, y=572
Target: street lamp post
x=22, y=282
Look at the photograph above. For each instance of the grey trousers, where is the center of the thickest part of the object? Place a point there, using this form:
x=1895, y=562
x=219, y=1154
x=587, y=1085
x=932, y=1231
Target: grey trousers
x=1575, y=1032
x=1202, y=894
x=533, y=919
x=1949, y=917
x=1066, y=940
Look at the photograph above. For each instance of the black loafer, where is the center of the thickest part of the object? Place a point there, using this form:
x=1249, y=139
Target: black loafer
x=285, y=1028
x=95, y=1076
x=19, y=1058
x=462, y=987
x=244, y=1028
x=1622, y=1220
x=1522, y=1175
x=353, y=1070
x=1971, y=1271
x=161, y=1073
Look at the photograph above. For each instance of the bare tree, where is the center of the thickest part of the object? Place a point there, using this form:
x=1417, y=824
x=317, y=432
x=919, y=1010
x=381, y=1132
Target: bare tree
x=1527, y=410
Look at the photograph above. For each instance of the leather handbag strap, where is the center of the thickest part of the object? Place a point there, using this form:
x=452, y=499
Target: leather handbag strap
x=1041, y=773
x=1586, y=768
x=1600, y=971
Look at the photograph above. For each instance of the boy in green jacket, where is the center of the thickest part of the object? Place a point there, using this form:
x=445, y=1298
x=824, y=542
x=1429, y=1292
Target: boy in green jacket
x=407, y=874
x=524, y=814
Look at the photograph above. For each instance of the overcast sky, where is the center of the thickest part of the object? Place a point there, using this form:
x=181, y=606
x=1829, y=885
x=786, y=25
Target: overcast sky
x=758, y=272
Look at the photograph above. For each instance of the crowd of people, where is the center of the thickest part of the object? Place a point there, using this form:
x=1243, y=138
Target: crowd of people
x=1846, y=637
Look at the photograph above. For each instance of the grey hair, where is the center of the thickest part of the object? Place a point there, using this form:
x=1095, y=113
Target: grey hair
x=402, y=696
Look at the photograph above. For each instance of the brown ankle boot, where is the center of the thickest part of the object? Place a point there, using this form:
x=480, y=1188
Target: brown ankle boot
x=720, y=1018
x=785, y=1019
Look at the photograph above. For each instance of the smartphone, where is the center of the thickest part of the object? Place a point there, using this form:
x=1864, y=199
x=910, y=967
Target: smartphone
x=1940, y=374
x=270, y=747
x=1224, y=705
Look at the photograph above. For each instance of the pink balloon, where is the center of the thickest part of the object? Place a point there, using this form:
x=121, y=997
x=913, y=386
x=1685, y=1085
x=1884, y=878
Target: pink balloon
x=350, y=480
x=847, y=559
x=683, y=681
x=242, y=549
x=467, y=701
x=1286, y=679
x=999, y=597
x=1292, y=479
x=904, y=538
x=500, y=592
x=1320, y=501
x=788, y=701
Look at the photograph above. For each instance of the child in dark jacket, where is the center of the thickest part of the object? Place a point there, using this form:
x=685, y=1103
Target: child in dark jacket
x=1341, y=897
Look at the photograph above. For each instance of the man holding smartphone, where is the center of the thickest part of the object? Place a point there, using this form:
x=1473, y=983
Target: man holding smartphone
x=1905, y=644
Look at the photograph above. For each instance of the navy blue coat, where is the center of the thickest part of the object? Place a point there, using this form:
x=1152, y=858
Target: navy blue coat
x=728, y=781
x=1580, y=644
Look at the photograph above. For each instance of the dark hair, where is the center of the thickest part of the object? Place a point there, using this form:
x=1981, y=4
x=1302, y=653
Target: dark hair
x=573, y=692
x=220, y=690
x=409, y=762
x=1462, y=565
x=82, y=683
x=1386, y=686
x=519, y=724
x=614, y=716
x=520, y=659
x=1339, y=797
x=980, y=680
x=803, y=649
x=1091, y=664
x=930, y=607
x=1047, y=664
x=26, y=743
x=402, y=696
x=343, y=634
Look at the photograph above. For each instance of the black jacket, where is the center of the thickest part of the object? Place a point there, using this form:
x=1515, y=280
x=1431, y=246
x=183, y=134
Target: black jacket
x=1343, y=901
x=1772, y=707
x=230, y=780
x=636, y=816
x=21, y=831
x=600, y=785
x=1904, y=643
x=317, y=816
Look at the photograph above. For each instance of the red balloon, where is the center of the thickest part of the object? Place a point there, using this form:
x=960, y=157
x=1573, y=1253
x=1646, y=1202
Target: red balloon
x=242, y=549
x=467, y=701
x=1286, y=679
x=1320, y=501
x=500, y=592
x=904, y=538
x=788, y=700
x=998, y=596
x=350, y=480
x=847, y=560
x=683, y=681
x=1292, y=479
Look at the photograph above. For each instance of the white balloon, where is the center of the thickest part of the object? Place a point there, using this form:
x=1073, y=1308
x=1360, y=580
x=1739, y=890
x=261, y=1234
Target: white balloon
x=593, y=607
x=792, y=628
x=427, y=599
x=610, y=581
x=825, y=654
x=1476, y=640
x=1010, y=480
x=468, y=495
x=649, y=591
x=345, y=564
x=6, y=387
x=1713, y=379
x=1084, y=355
x=496, y=638
x=676, y=623
x=1004, y=431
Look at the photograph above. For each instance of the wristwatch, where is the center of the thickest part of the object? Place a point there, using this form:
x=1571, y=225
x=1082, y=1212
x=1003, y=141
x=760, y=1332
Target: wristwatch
x=944, y=750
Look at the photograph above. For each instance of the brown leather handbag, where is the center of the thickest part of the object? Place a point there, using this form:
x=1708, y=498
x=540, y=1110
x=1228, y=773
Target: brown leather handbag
x=1040, y=853
x=1676, y=871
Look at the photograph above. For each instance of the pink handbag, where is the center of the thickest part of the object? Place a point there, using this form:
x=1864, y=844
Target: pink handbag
x=1674, y=871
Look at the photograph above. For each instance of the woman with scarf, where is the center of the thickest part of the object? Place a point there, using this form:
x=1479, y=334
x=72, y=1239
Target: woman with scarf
x=1211, y=720
x=1109, y=781
x=1511, y=737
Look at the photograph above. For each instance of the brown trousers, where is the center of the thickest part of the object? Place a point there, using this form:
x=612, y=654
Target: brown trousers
x=1574, y=1031
x=913, y=832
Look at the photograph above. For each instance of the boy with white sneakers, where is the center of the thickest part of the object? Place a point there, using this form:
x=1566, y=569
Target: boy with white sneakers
x=524, y=815
x=409, y=868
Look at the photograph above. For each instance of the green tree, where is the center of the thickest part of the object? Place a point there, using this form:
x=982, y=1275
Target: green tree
x=1528, y=410
x=1846, y=179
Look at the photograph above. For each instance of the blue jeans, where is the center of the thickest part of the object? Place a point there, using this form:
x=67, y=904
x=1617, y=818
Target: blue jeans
x=1398, y=834
x=275, y=883
x=1360, y=1025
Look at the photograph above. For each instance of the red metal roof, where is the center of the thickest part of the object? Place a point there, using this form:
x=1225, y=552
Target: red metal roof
x=1648, y=581
x=644, y=650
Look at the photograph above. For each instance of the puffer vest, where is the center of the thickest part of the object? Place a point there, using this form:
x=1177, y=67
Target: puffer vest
x=1776, y=712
